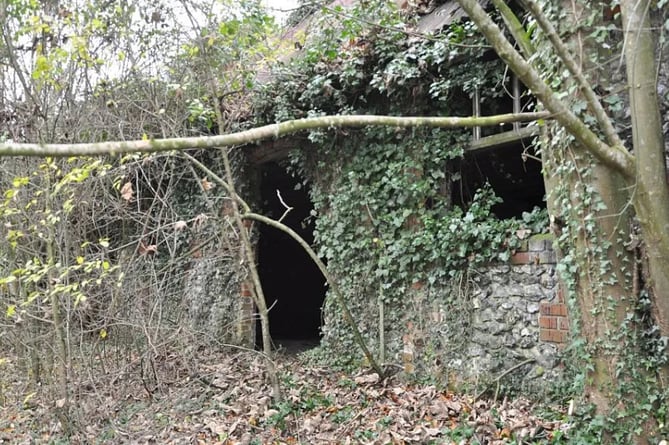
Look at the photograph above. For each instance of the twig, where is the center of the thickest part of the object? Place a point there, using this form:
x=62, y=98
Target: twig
x=501, y=376
x=286, y=206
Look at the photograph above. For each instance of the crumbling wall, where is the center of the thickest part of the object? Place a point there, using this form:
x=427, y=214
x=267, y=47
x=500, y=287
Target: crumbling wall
x=503, y=317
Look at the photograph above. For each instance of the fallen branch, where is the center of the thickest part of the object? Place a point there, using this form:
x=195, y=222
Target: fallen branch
x=501, y=376
x=272, y=131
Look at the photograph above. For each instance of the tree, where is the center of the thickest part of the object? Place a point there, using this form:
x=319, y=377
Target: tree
x=96, y=72
x=604, y=276
x=595, y=181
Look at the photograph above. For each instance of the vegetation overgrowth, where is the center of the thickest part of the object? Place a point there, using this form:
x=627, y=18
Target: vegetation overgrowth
x=94, y=250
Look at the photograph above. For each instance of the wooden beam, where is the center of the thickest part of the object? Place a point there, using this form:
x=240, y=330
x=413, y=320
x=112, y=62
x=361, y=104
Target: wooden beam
x=500, y=140
x=278, y=149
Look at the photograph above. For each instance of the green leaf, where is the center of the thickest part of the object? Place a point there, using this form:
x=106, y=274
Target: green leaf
x=8, y=279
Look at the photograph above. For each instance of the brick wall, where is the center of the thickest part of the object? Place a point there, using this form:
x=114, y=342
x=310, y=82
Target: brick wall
x=553, y=319
x=246, y=322
x=553, y=316
x=537, y=249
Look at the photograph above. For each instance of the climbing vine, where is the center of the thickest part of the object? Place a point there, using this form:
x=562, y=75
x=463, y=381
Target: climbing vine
x=616, y=346
x=385, y=221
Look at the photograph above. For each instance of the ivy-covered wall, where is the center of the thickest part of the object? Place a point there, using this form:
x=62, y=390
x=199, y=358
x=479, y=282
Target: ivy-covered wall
x=497, y=323
x=410, y=262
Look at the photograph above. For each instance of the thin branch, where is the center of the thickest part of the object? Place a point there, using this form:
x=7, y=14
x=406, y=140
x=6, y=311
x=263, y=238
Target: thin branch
x=615, y=157
x=217, y=179
x=259, y=134
x=565, y=55
x=286, y=206
x=502, y=375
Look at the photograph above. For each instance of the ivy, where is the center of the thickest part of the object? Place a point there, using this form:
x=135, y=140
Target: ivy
x=382, y=196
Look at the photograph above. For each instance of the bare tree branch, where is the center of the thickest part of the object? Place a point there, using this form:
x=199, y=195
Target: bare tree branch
x=259, y=134
x=565, y=55
x=614, y=156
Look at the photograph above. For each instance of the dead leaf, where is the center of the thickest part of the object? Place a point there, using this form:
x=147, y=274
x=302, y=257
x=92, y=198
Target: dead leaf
x=199, y=220
x=523, y=233
x=369, y=378
x=180, y=225
x=143, y=249
x=206, y=185
x=505, y=433
x=127, y=191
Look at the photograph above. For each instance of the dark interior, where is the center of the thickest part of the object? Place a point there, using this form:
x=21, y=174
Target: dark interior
x=514, y=172
x=293, y=285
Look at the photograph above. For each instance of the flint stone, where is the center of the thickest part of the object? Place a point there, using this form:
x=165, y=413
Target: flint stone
x=532, y=307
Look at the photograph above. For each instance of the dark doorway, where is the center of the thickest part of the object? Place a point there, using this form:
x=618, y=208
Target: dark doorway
x=293, y=285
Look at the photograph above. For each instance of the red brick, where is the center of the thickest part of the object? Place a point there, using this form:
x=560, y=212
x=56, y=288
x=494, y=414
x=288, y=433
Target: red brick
x=563, y=324
x=559, y=309
x=545, y=335
x=548, y=322
x=522, y=258
x=545, y=308
x=561, y=336
x=245, y=291
x=553, y=335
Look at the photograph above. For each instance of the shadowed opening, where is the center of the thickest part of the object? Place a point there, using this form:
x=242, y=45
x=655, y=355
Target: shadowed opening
x=293, y=285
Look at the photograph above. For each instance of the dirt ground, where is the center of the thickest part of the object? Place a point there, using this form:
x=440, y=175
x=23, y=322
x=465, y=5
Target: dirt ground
x=224, y=399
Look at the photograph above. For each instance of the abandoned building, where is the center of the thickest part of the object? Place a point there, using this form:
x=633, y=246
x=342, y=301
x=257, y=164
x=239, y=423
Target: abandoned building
x=513, y=311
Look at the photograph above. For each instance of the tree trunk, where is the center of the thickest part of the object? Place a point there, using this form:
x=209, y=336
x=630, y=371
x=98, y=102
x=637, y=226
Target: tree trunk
x=600, y=269
x=603, y=300
x=651, y=195
x=61, y=360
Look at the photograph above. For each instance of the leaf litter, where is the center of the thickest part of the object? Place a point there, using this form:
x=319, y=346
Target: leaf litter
x=225, y=400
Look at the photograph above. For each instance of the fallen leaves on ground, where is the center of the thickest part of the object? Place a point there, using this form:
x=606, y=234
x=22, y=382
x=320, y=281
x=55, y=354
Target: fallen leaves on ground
x=227, y=401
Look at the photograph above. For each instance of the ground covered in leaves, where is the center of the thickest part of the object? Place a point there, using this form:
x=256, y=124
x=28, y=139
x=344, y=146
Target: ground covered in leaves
x=227, y=401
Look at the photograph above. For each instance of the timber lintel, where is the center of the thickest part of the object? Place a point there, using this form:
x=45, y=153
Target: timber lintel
x=503, y=139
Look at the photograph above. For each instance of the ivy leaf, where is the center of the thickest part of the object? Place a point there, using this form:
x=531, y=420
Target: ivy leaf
x=7, y=280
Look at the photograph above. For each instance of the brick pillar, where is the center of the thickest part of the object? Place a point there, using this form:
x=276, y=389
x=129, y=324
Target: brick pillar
x=246, y=325
x=247, y=321
x=553, y=319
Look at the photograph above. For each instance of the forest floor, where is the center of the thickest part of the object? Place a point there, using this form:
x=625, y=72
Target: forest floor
x=227, y=401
